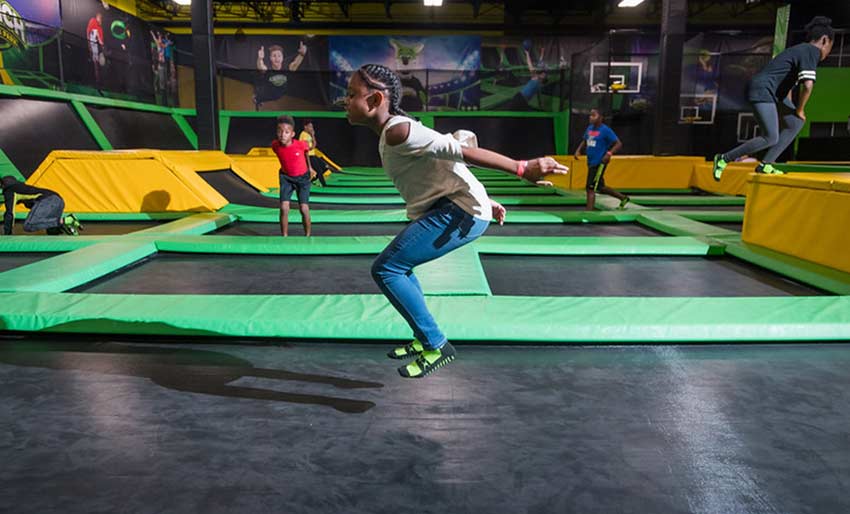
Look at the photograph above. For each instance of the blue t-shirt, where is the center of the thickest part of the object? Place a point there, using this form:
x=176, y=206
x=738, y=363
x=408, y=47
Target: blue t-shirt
x=598, y=141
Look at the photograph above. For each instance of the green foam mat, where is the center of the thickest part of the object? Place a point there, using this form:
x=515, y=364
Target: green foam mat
x=689, y=200
x=463, y=318
x=611, y=245
x=675, y=225
x=318, y=199
x=75, y=268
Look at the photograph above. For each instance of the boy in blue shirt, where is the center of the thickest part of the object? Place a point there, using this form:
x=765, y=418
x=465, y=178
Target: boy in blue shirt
x=601, y=143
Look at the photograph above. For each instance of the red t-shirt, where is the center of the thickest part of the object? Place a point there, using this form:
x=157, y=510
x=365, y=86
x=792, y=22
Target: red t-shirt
x=292, y=160
x=96, y=27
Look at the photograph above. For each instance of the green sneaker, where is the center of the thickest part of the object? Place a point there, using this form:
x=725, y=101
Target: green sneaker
x=409, y=350
x=719, y=165
x=624, y=202
x=428, y=362
x=768, y=169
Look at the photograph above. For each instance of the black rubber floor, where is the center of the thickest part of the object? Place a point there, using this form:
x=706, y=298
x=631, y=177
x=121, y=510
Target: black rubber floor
x=101, y=426
x=175, y=273
x=391, y=229
x=9, y=260
x=634, y=276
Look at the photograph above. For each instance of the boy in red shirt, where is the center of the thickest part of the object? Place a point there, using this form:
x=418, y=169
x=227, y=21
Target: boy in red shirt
x=295, y=171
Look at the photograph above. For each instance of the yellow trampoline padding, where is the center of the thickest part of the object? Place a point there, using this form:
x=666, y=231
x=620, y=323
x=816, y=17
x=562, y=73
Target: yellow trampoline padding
x=564, y=181
x=260, y=151
x=805, y=215
x=732, y=182
x=207, y=160
x=262, y=170
x=636, y=171
x=127, y=181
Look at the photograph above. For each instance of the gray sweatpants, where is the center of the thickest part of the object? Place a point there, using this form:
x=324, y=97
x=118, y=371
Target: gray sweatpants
x=45, y=214
x=767, y=115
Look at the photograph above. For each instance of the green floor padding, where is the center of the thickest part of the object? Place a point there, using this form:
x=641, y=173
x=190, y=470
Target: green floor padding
x=191, y=225
x=7, y=167
x=13, y=244
x=813, y=168
x=610, y=245
x=75, y=268
x=459, y=273
x=463, y=318
x=689, y=200
x=676, y=225
x=269, y=215
x=711, y=216
x=828, y=279
x=496, y=190
x=318, y=199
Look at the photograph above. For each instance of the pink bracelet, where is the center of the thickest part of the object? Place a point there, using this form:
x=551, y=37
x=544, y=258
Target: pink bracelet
x=520, y=168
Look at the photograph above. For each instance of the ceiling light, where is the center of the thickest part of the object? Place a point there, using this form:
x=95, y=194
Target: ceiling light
x=183, y=2
x=629, y=3
x=433, y=3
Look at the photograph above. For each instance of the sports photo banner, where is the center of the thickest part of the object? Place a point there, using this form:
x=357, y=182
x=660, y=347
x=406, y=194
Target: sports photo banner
x=273, y=73
x=438, y=73
x=108, y=49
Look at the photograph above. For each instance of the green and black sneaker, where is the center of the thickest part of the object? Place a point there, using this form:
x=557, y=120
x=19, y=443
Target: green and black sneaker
x=768, y=169
x=428, y=362
x=409, y=350
x=71, y=225
x=719, y=165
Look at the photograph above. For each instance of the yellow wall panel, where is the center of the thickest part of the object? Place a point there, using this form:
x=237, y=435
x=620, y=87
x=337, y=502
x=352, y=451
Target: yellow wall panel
x=809, y=223
x=142, y=185
x=262, y=170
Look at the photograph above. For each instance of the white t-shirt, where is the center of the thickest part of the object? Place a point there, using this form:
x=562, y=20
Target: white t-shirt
x=429, y=166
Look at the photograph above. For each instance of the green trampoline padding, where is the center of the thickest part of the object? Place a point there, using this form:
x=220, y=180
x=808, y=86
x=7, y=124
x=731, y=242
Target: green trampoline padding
x=318, y=199
x=689, y=200
x=463, y=318
x=268, y=215
x=712, y=216
x=828, y=279
x=612, y=245
x=75, y=268
x=675, y=225
x=813, y=168
x=190, y=225
x=496, y=190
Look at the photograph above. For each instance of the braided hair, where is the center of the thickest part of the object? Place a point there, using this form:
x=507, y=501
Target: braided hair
x=820, y=26
x=382, y=78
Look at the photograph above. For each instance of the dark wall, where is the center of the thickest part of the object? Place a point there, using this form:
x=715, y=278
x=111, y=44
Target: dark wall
x=126, y=128
x=345, y=144
x=515, y=137
x=31, y=129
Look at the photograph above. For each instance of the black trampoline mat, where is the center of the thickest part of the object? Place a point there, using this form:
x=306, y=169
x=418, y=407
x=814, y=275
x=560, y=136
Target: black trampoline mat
x=391, y=229
x=16, y=260
x=652, y=276
x=179, y=273
x=102, y=228
x=236, y=190
x=127, y=128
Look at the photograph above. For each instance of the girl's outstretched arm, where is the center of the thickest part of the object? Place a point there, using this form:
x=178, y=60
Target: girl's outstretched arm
x=534, y=170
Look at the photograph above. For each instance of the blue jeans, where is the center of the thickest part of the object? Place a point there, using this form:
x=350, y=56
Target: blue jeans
x=441, y=230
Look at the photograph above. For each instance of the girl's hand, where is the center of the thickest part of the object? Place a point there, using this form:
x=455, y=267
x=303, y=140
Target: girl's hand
x=499, y=212
x=538, y=169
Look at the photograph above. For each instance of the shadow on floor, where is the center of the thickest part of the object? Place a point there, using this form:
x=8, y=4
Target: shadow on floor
x=180, y=369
